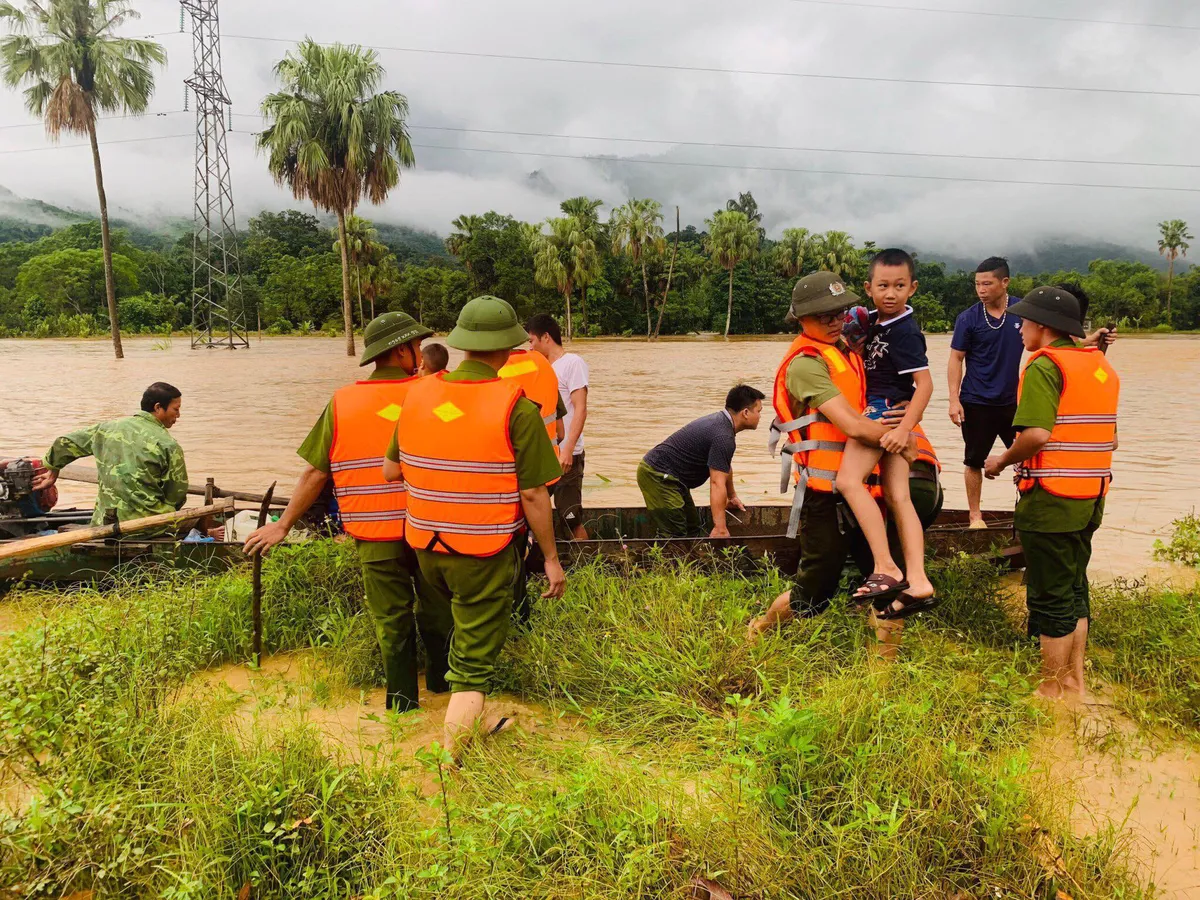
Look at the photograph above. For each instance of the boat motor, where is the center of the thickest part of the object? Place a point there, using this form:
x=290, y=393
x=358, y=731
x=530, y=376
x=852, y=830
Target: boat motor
x=17, y=499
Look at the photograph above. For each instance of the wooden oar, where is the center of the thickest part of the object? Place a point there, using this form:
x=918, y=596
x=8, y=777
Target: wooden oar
x=30, y=546
x=256, y=583
x=84, y=475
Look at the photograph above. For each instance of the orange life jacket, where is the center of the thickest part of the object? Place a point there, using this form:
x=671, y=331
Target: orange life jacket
x=364, y=416
x=460, y=467
x=925, y=451
x=1077, y=460
x=537, y=379
x=813, y=451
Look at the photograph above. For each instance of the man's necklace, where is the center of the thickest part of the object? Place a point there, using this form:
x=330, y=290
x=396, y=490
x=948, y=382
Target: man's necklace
x=987, y=317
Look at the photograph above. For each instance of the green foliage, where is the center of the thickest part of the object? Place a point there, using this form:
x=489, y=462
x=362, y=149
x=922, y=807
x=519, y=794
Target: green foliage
x=793, y=768
x=72, y=281
x=1184, y=546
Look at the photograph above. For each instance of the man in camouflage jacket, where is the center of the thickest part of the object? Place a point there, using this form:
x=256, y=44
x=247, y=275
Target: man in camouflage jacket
x=140, y=467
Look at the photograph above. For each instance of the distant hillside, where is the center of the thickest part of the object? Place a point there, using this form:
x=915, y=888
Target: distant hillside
x=409, y=244
x=25, y=219
x=1053, y=256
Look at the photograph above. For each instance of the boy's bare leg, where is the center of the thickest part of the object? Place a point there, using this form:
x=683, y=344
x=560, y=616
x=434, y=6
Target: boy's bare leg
x=465, y=709
x=857, y=463
x=889, y=634
x=912, y=536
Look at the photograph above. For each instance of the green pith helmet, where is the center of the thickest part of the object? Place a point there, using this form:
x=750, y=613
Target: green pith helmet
x=820, y=293
x=486, y=324
x=1052, y=307
x=392, y=329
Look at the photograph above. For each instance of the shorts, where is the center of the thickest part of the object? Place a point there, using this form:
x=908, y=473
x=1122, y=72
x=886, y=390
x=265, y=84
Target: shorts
x=876, y=407
x=981, y=426
x=568, y=495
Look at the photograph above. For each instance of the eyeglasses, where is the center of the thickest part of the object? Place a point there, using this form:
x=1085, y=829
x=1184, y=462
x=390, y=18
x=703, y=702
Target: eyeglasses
x=830, y=318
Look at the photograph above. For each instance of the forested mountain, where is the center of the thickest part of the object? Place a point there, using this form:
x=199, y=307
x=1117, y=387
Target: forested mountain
x=624, y=276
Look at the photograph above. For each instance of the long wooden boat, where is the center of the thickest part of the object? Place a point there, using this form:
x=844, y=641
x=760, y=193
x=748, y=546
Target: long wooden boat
x=620, y=534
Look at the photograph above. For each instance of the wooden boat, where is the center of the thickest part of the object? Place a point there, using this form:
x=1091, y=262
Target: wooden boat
x=626, y=534
x=620, y=534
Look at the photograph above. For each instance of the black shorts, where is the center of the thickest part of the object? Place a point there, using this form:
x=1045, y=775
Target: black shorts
x=568, y=495
x=981, y=426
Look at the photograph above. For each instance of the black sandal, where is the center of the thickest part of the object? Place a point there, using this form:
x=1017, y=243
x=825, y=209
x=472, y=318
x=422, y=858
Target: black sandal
x=909, y=606
x=882, y=589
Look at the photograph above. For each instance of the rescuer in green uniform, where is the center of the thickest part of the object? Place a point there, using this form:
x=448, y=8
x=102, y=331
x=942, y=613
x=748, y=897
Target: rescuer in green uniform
x=139, y=467
x=476, y=580
x=391, y=578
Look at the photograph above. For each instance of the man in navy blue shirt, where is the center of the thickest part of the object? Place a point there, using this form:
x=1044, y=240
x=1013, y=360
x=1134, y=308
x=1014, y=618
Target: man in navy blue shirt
x=987, y=340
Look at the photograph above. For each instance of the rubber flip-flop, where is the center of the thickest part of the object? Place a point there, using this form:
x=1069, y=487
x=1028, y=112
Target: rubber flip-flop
x=501, y=725
x=978, y=526
x=883, y=588
x=909, y=606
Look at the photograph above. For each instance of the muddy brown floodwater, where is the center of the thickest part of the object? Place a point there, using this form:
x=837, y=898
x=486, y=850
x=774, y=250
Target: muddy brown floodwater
x=244, y=414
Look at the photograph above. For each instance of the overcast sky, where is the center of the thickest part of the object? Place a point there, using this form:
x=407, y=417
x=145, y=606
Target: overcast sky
x=686, y=106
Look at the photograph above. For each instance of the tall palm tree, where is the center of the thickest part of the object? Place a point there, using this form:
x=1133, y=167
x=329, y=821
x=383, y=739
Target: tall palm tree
x=565, y=258
x=746, y=203
x=379, y=273
x=836, y=253
x=65, y=50
x=465, y=229
x=732, y=238
x=586, y=210
x=637, y=232
x=794, y=247
x=360, y=235
x=1172, y=245
x=332, y=139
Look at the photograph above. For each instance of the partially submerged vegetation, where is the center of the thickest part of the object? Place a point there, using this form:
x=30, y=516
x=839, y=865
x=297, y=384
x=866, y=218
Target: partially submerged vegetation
x=798, y=768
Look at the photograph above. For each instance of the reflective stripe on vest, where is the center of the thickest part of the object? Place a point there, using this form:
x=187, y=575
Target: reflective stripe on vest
x=364, y=417
x=460, y=467
x=1077, y=460
x=812, y=453
x=925, y=451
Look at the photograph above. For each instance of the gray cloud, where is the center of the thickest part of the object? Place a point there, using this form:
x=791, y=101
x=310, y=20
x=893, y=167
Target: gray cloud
x=156, y=177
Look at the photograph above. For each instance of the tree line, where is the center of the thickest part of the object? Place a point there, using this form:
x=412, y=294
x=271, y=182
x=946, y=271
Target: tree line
x=624, y=275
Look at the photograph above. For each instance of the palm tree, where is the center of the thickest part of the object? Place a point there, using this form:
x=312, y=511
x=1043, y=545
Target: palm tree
x=637, y=231
x=379, y=273
x=746, y=203
x=465, y=229
x=794, y=247
x=1172, y=245
x=332, y=139
x=836, y=253
x=360, y=236
x=65, y=50
x=564, y=258
x=732, y=238
x=587, y=211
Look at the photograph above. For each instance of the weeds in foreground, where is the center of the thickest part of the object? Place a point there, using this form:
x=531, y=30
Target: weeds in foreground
x=793, y=769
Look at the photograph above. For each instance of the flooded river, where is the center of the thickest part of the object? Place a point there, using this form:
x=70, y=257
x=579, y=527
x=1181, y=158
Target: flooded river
x=245, y=413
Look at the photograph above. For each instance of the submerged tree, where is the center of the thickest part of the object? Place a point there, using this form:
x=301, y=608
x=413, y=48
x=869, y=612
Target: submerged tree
x=65, y=50
x=333, y=140
x=1173, y=244
x=732, y=238
x=637, y=231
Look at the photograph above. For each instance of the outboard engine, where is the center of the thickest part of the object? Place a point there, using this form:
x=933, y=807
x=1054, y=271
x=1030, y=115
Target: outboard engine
x=18, y=501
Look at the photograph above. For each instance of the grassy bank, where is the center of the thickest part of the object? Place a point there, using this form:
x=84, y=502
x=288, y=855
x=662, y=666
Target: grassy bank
x=798, y=768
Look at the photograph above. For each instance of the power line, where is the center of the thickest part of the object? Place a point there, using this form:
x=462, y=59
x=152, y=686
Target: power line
x=780, y=147
x=159, y=137
x=668, y=67
x=859, y=4
x=146, y=115
x=749, y=168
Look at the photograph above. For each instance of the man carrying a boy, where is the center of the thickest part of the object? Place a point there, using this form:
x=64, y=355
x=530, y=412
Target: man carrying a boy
x=819, y=398
x=1066, y=421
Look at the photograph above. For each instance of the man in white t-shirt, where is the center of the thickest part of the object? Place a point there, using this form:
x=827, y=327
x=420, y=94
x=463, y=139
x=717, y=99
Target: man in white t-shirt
x=545, y=336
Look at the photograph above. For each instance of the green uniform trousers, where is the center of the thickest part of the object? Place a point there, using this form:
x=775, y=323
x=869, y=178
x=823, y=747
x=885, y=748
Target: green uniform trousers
x=669, y=503
x=1056, y=584
x=396, y=600
x=478, y=594
x=829, y=535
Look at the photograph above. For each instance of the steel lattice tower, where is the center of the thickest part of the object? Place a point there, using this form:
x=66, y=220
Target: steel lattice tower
x=218, y=315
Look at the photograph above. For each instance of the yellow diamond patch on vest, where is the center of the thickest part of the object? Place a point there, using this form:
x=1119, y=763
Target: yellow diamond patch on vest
x=1100, y=375
x=391, y=412
x=448, y=412
x=516, y=370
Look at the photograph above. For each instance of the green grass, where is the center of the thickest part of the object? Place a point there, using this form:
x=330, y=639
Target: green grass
x=798, y=768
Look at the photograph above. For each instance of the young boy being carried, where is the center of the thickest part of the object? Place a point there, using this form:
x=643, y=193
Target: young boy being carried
x=897, y=373
x=434, y=358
